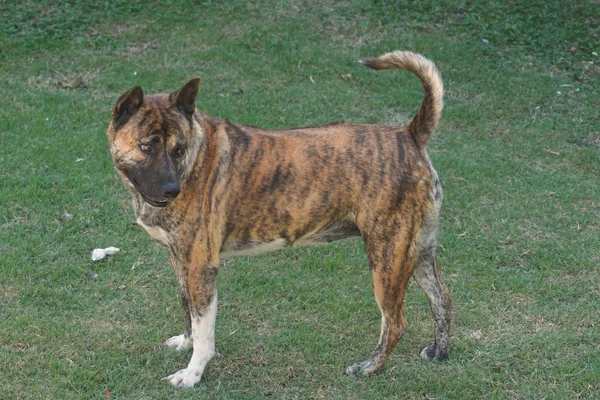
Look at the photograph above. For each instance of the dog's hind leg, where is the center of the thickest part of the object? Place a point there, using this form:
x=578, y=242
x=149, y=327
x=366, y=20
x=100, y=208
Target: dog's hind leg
x=391, y=259
x=427, y=275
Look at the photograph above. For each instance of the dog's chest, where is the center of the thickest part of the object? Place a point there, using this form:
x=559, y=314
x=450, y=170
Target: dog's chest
x=156, y=232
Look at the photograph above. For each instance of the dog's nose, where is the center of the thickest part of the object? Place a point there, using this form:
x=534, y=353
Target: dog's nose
x=171, y=190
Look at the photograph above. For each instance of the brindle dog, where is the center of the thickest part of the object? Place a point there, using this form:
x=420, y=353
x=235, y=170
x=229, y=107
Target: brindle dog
x=209, y=189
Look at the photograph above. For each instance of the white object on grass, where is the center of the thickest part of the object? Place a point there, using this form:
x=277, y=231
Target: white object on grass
x=99, y=254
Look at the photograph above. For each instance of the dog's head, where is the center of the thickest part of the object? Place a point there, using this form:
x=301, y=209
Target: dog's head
x=154, y=141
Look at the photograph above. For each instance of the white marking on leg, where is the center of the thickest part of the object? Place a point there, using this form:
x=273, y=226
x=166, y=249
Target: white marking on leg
x=203, y=341
x=179, y=343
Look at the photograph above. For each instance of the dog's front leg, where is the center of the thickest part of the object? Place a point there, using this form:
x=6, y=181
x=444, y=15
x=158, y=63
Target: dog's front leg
x=183, y=341
x=202, y=305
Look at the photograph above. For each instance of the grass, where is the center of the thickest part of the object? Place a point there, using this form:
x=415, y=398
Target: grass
x=518, y=153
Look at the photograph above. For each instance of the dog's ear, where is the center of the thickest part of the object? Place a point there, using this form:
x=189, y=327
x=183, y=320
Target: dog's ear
x=127, y=105
x=185, y=98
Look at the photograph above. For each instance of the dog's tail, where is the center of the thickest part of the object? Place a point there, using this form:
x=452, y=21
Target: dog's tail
x=426, y=120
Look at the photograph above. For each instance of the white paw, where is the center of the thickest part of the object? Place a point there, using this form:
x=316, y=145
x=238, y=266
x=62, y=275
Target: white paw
x=179, y=343
x=184, y=378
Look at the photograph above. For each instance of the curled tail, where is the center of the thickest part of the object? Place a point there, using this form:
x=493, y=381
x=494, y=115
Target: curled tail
x=426, y=120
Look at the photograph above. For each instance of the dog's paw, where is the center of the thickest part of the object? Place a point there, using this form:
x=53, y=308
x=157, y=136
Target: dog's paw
x=184, y=378
x=365, y=368
x=433, y=352
x=179, y=343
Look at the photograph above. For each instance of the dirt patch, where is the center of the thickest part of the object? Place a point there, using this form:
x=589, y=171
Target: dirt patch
x=535, y=233
x=57, y=81
x=393, y=118
x=592, y=139
x=113, y=31
x=8, y=293
x=137, y=49
x=335, y=20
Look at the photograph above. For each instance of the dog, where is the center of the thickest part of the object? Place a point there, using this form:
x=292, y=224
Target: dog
x=208, y=189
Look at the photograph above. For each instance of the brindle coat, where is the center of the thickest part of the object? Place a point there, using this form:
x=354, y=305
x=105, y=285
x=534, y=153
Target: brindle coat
x=208, y=189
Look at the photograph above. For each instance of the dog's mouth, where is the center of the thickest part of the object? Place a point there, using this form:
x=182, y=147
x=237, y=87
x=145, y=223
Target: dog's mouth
x=152, y=202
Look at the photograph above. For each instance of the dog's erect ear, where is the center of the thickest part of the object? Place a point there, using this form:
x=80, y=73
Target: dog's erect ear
x=127, y=105
x=185, y=98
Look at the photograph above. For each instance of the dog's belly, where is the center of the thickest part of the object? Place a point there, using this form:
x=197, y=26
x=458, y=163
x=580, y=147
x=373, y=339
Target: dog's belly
x=253, y=246
x=331, y=233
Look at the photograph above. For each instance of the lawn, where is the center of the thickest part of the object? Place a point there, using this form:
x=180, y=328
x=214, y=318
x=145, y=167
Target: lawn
x=517, y=151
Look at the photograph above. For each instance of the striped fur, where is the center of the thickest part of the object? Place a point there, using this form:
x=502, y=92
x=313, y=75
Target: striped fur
x=208, y=189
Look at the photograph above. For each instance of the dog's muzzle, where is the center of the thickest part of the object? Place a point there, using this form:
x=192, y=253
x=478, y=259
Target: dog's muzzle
x=169, y=191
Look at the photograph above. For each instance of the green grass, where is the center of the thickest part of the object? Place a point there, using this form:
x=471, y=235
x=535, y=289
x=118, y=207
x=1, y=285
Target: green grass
x=518, y=154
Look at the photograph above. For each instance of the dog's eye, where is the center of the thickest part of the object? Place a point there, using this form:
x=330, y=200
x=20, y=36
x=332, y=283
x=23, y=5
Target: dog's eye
x=146, y=148
x=179, y=152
